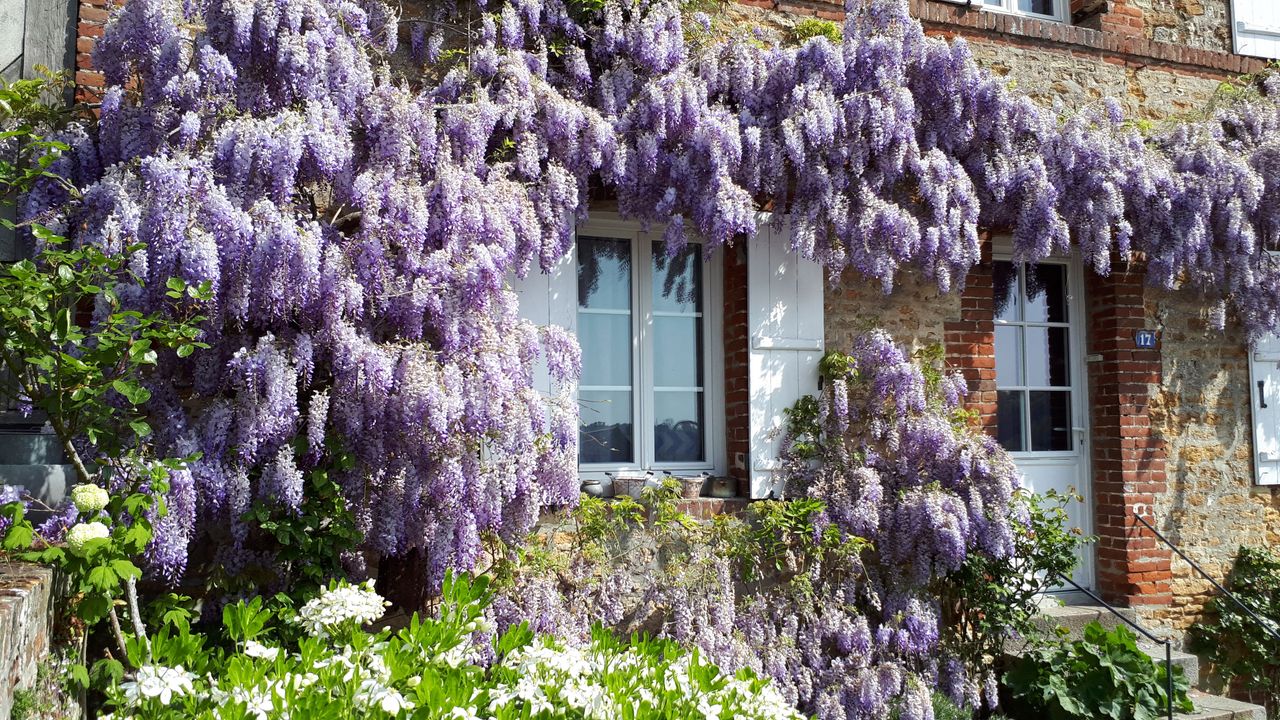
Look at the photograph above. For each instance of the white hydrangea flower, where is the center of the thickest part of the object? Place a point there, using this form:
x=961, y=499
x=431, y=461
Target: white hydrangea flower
x=461, y=713
x=255, y=649
x=158, y=681
x=340, y=605
x=81, y=533
x=89, y=498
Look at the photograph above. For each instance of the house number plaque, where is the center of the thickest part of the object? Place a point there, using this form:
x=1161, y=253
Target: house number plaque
x=1144, y=339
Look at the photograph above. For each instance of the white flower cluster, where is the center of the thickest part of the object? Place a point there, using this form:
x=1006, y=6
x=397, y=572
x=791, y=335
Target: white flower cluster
x=81, y=533
x=157, y=681
x=340, y=605
x=89, y=498
x=599, y=684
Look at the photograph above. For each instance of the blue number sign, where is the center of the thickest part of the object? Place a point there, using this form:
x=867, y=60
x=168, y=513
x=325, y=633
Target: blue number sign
x=1145, y=339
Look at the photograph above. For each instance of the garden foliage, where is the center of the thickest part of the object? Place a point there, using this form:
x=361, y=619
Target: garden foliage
x=1239, y=647
x=317, y=661
x=1104, y=675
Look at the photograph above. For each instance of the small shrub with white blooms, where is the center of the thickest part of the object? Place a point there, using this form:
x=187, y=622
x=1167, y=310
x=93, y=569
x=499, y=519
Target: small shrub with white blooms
x=449, y=666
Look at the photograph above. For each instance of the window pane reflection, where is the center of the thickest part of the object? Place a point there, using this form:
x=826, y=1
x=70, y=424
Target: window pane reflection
x=1042, y=7
x=604, y=273
x=677, y=281
x=606, y=422
x=1008, y=355
x=606, y=349
x=1047, y=357
x=1005, y=279
x=678, y=427
x=677, y=352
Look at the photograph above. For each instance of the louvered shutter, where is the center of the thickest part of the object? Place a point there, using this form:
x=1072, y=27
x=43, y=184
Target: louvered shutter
x=1255, y=27
x=785, y=319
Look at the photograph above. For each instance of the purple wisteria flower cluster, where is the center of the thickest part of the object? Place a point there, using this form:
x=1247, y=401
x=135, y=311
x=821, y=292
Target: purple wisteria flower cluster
x=358, y=225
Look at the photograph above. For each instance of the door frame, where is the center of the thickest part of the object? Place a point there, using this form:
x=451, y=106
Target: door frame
x=1082, y=421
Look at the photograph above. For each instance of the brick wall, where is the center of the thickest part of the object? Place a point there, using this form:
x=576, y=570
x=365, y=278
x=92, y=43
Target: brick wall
x=971, y=340
x=89, y=82
x=1129, y=460
x=737, y=408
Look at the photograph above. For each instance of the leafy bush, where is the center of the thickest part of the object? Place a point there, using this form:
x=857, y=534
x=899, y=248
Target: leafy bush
x=318, y=662
x=816, y=27
x=1239, y=649
x=1103, y=675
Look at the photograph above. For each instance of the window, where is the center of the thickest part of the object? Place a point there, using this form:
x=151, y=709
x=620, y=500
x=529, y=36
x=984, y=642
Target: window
x=644, y=324
x=1033, y=357
x=1043, y=9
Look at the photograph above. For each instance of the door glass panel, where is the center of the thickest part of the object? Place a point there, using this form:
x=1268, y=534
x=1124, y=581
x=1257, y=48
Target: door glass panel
x=1005, y=279
x=1008, y=355
x=1009, y=420
x=678, y=427
x=1050, y=420
x=1047, y=357
x=606, y=435
x=1046, y=293
x=605, y=340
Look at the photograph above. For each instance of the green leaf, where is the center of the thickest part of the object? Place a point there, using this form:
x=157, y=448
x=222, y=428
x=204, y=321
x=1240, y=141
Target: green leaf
x=126, y=570
x=80, y=675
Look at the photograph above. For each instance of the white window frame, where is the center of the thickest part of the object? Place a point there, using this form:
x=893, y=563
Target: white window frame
x=1061, y=11
x=608, y=225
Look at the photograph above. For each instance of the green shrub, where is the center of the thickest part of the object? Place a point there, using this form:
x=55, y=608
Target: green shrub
x=814, y=27
x=1240, y=650
x=1104, y=675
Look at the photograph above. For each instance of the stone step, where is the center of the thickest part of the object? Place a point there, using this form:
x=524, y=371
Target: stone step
x=1214, y=707
x=46, y=483
x=1075, y=617
x=28, y=448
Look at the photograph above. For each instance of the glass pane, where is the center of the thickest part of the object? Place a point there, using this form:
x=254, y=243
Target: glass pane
x=1046, y=293
x=1047, y=357
x=1007, y=296
x=677, y=352
x=678, y=427
x=677, y=280
x=1042, y=7
x=606, y=435
x=1008, y=355
x=1009, y=420
x=604, y=273
x=1050, y=420
x=606, y=348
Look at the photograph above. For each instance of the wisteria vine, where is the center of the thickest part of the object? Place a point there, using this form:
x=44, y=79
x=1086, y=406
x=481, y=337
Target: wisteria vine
x=358, y=214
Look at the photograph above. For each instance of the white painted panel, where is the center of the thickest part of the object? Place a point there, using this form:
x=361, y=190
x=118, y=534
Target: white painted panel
x=1264, y=393
x=1255, y=26
x=785, y=321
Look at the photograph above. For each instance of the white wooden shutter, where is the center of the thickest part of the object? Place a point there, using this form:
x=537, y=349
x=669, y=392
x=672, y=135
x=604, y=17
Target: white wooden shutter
x=1264, y=391
x=784, y=318
x=1255, y=27
x=550, y=299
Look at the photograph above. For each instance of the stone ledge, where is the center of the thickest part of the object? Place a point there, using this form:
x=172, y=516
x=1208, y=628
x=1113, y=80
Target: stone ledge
x=25, y=626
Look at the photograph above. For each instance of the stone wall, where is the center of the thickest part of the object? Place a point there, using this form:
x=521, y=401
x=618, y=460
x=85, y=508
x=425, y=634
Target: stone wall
x=1202, y=413
x=25, y=626
x=1204, y=24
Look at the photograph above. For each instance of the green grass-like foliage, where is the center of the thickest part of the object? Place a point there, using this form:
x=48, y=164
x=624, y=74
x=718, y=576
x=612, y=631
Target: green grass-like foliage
x=1103, y=675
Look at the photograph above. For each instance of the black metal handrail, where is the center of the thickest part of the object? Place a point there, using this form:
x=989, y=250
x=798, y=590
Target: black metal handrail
x=1261, y=622
x=1168, y=645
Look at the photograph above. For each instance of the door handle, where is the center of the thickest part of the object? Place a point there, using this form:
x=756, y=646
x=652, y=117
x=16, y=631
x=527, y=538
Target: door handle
x=1262, y=394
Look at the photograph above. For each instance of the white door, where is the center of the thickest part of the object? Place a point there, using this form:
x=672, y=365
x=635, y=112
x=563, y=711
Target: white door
x=1040, y=383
